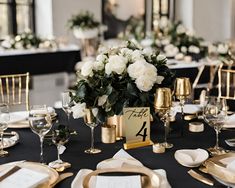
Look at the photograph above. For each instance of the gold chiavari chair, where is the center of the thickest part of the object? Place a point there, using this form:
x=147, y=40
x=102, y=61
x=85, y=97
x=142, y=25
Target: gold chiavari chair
x=14, y=89
x=226, y=83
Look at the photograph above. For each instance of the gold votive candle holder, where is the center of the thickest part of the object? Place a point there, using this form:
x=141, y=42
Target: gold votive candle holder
x=162, y=99
x=183, y=87
x=108, y=134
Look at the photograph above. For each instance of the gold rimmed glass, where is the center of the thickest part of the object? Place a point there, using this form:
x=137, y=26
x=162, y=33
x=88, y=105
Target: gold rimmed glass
x=4, y=119
x=91, y=121
x=162, y=104
x=183, y=91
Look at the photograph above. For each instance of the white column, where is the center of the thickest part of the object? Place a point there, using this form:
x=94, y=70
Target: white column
x=44, y=24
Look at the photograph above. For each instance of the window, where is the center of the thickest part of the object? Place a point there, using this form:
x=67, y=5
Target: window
x=16, y=16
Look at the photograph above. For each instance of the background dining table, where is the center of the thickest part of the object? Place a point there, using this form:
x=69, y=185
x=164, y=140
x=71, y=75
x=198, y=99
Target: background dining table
x=28, y=149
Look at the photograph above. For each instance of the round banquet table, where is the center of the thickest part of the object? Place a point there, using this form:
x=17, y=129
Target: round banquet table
x=28, y=149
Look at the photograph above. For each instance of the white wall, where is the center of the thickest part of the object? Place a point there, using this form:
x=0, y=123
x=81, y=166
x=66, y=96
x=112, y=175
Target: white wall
x=63, y=9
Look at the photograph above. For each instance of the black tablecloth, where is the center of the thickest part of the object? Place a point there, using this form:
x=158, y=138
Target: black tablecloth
x=28, y=149
x=40, y=63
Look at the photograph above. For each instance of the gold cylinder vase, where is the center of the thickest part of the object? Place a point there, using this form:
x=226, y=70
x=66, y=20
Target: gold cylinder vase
x=118, y=121
x=108, y=134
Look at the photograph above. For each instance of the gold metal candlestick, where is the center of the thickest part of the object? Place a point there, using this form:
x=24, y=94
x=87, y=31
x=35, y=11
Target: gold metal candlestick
x=162, y=104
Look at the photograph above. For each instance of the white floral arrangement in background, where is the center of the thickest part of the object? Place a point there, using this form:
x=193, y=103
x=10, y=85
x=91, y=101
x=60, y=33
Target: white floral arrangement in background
x=124, y=76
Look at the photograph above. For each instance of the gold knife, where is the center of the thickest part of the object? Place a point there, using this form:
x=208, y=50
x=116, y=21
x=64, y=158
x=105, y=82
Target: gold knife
x=200, y=177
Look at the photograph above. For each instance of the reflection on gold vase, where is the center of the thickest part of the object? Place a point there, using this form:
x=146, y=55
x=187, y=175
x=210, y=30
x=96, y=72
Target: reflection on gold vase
x=118, y=121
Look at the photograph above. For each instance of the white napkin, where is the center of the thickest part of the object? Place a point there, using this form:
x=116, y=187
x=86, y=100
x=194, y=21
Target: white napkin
x=230, y=122
x=188, y=108
x=58, y=104
x=124, y=157
x=18, y=116
x=23, y=178
x=191, y=157
x=50, y=110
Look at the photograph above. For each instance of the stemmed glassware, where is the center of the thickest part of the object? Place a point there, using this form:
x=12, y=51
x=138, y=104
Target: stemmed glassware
x=162, y=105
x=66, y=103
x=91, y=121
x=215, y=115
x=40, y=123
x=183, y=91
x=4, y=119
x=60, y=136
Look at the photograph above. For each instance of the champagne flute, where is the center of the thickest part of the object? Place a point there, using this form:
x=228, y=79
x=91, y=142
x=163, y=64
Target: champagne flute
x=183, y=91
x=4, y=119
x=91, y=121
x=215, y=115
x=162, y=104
x=40, y=123
x=60, y=136
x=66, y=103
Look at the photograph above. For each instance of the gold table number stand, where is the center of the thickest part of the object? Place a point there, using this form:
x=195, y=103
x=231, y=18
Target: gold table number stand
x=137, y=127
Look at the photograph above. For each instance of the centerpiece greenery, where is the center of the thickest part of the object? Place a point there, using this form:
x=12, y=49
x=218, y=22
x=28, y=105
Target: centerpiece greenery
x=123, y=76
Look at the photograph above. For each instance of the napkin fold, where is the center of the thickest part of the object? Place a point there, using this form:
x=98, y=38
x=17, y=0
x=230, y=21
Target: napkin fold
x=120, y=159
x=191, y=157
x=23, y=178
x=230, y=122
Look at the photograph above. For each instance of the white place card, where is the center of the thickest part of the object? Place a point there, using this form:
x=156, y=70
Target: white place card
x=118, y=181
x=24, y=178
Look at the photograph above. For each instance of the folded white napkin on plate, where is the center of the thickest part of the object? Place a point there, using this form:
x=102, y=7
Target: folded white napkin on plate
x=50, y=110
x=118, y=160
x=230, y=122
x=18, y=116
x=189, y=108
x=191, y=157
x=23, y=178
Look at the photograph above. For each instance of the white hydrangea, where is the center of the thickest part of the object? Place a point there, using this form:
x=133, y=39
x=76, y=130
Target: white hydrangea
x=194, y=49
x=78, y=110
x=102, y=100
x=116, y=64
x=87, y=69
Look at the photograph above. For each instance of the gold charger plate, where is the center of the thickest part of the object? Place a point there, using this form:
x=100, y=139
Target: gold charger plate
x=38, y=167
x=216, y=166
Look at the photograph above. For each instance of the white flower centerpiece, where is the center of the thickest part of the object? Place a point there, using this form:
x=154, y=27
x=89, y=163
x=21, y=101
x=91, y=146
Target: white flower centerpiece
x=84, y=25
x=123, y=76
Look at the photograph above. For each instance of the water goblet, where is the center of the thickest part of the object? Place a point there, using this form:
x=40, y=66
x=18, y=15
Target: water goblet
x=4, y=119
x=215, y=115
x=60, y=136
x=183, y=91
x=40, y=123
x=91, y=121
x=162, y=105
x=66, y=103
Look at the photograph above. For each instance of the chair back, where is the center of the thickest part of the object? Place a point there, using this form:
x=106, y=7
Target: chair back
x=14, y=89
x=226, y=83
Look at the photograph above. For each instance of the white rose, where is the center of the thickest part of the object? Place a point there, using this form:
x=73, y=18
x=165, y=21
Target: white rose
x=136, y=69
x=222, y=48
x=116, y=64
x=98, y=65
x=150, y=72
x=180, y=29
x=126, y=52
x=148, y=52
x=101, y=58
x=143, y=83
x=18, y=45
x=183, y=49
x=165, y=41
x=161, y=57
x=194, y=49
x=137, y=55
x=171, y=50
x=163, y=22
x=78, y=110
x=146, y=42
x=86, y=69
x=102, y=100
x=159, y=79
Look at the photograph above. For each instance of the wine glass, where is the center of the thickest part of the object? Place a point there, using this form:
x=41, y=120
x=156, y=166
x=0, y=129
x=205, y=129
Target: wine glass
x=66, y=103
x=40, y=123
x=162, y=105
x=215, y=115
x=60, y=136
x=183, y=91
x=4, y=119
x=91, y=121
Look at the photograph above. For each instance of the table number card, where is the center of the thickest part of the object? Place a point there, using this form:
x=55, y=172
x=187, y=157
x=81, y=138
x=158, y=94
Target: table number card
x=137, y=127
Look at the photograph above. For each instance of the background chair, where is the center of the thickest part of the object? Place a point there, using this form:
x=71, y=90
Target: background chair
x=14, y=90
